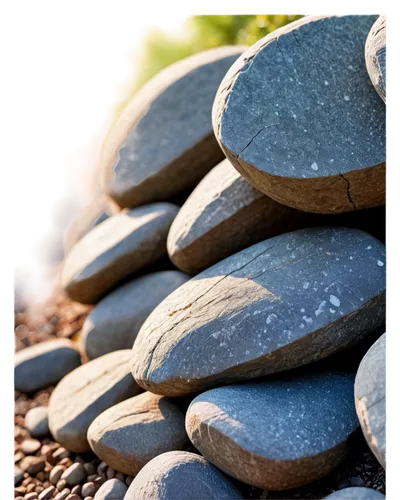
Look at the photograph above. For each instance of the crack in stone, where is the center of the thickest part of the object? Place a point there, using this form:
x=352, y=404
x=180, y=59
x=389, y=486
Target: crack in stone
x=348, y=191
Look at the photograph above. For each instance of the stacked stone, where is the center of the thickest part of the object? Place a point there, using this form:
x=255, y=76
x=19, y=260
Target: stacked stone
x=225, y=370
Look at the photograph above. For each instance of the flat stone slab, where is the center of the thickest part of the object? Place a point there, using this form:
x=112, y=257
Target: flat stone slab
x=163, y=142
x=370, y=398
x=133, y=432
x=113, y=489
x=279, y=434
x=116, y=320
x=90, y=216
x=375, y=56
x=282, y=303
x=223, y=215
x=117, y=248
x=44, y=364
x=297, y=116
x=37, y=422
x=181, y=475
x=355, y=494
x=85, y=393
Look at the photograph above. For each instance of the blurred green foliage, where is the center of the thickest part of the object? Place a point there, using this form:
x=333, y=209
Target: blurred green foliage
x=200, y=33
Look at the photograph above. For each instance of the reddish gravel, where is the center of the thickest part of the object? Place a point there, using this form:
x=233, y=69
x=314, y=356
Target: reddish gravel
x=60, y=317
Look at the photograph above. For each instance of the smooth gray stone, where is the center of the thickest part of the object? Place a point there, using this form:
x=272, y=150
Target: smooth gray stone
x=278, y=434
x=85, y=393
x=180, y=475
x=163, y=142
x=370, y=398
x=89, y=217
x=282, y=303
x=375, y=56
x=44, y=364
x=113, y=489
x=297, y=115
x=355, y=494
x=117, y=248
x=223, y=215
x=18, y=475
x=116, y=320
x=37, y=422
x=133, y=432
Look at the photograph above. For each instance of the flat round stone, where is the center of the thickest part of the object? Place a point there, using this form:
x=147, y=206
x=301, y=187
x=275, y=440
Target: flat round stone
x=163, y=142
x=356, y=494
x=116, y=320
x=279, y=434
x=117, y=248
x=297, y=116
x=92, y=215
x=36, y=421
x=370, y=398
x=181, y=475
x=44, y=364
x=85, y=393
x=282, y=303
x=223, y=215
x=375, y=56
x=133, y=432
x=114, y=489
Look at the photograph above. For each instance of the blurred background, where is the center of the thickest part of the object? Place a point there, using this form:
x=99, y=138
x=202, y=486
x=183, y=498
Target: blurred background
x=156, y=48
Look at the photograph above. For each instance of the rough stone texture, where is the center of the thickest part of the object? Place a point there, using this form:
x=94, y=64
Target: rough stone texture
x=114, y=489
x=36, y=421
x=370, y=398
x=163, y=142
x=223, y=215
x=116, y=320
x=44, y=364
x=132, y=433
x=181, y=475
x=85, y=393
x=297, y=116
x=117, y=248
x=281, y=303
x=278, y=434
x=375, y=56
x=92, y=215
x=355, y=494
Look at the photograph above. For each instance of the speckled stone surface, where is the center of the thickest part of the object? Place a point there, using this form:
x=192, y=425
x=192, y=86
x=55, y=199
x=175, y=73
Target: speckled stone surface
x=163, y=142
x=223, y=215
x=277, y=434
x=85, y=393
x=355, y=494
x=133, y=432
x=181, y=475
x=92, y=215
x=44, y=364
x=375, y=56
x=117, y=248
x=281, y=303
x=298, y=116
x=370, y=398
x=116, y=320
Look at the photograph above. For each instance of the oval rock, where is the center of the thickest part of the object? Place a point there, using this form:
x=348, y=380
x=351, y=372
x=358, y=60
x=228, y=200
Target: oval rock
x=278, y=434
x=356, y=494
x=36, y=421
x=370, y=398
x=223, y=215
x=117, y=248
x=85, y=393
x=279, y=304
x=90, y=216
x=182, y=476
x=375, y=56
x=133, y=432
x=298, y=117
x=44, y=364
x=116, y=320
x=113, y=489
x=163, y=142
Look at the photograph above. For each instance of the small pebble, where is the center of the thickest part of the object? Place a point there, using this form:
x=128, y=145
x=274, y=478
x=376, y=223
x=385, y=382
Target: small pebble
x=32, y=465
x=75, y=474
x=101, y=469
x=18, y=475
x=129, y=480
x=61, y=453
x=88, y=490
x=120, y=476
x=18, y=456
x=36, y=421
x=110, y=473
x=76, y=490
x=19, y=491
x=73, y=497
x=90, y=468
x=31, y=496
x=55, y=474
x=62, y=483
x=47, y=493
x=88, y=498
x=30, y=446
